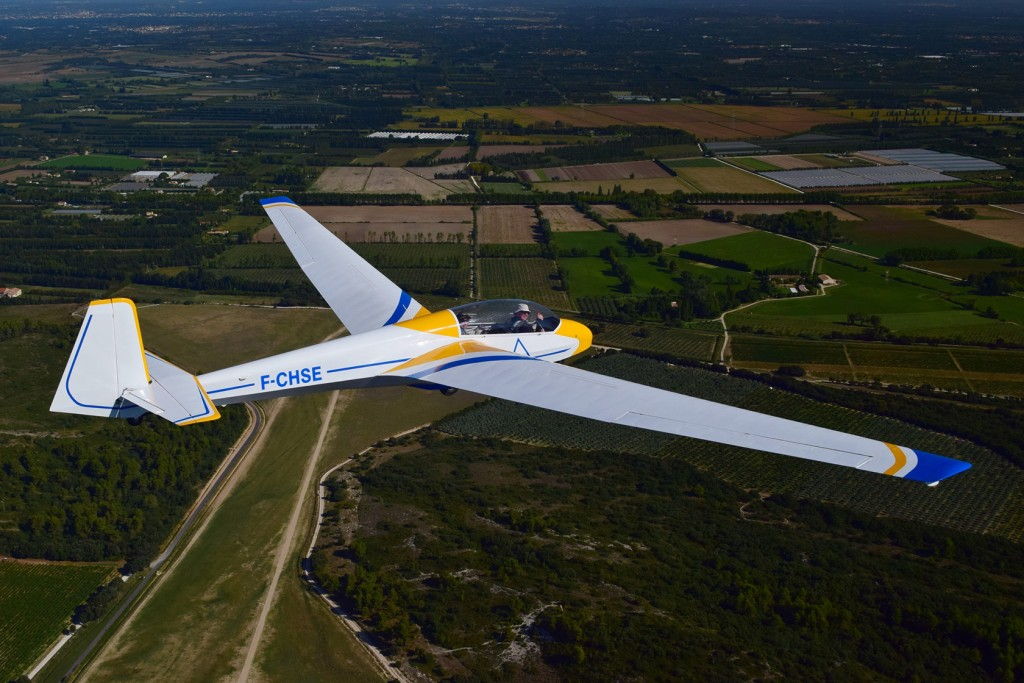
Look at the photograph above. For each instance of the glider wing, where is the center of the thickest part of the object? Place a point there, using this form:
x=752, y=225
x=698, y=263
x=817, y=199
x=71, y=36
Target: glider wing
x=586, y=394
x=359, y=294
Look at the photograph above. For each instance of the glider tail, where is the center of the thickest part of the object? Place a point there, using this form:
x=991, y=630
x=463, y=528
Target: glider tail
x=110, y=374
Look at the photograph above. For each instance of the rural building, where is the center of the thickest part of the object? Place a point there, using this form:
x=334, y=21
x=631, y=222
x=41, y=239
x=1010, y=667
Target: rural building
x=827, y=280
x=9, y=292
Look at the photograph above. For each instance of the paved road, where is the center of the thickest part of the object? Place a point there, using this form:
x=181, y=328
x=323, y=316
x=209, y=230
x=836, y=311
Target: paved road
x=255, y=426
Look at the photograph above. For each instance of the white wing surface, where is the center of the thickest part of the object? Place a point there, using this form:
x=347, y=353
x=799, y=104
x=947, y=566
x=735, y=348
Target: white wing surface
x=587, y=394
x=360, y=295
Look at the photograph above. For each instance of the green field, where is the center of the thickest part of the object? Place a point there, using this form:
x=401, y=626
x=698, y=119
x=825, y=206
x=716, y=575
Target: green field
x=36, y=602
x=684, y=343
x=248, y=224
x=886, y=228
x=695, y=162
x=395, y=156
x=589, y=276
x=910, y=304
x=590, y=241
x=759, y=250
x=528, y=278
x=504, y=188
x=96, y=161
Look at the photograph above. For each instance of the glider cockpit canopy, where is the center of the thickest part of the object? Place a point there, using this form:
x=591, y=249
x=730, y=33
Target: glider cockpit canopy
x=498, y=316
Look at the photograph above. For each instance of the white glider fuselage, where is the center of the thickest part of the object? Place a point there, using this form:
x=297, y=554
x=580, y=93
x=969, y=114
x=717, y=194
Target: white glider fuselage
x=365, y=359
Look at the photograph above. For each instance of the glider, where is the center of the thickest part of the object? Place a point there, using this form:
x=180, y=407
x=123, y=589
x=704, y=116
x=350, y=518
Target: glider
x=507, y=348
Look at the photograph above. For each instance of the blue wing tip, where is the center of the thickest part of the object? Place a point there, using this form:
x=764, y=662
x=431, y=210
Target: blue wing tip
x=276, y=200
x=933, y=468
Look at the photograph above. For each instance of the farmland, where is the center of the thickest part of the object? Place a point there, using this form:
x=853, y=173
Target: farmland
x=684, y=343
x=396, y=156
x=714, y=122
x=886, y=228
x=740, y=209
x=535, y=279
x=720, y=177
x=991, y=222
x=389, y=223
x=565, y=218
x=659, y=185
x=385, y=180
x=36, y=601
x=958, y=368
x=907, y=303
x=623, y=170
x=612, y=212
x=505, y=224
x=759, y=250
x=682, y=231
x=96, y=161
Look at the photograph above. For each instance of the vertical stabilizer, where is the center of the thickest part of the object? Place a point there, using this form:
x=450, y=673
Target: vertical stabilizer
x=106, y=360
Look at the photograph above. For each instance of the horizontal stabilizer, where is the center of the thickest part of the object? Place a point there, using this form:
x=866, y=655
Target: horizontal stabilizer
x=174, y=394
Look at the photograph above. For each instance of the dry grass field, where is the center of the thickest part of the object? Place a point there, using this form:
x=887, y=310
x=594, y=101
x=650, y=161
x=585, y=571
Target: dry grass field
x=395, y=156
x=740, y=209
x=728, y=179
x=611, y=212
x=431, y=172
x=505, y=224
x=1002, y=223
x=565, y=218
x=369, y=223
x=453, y=152
x=787, y=162
x=487, y=151
x=613, y=171
x=685, y=231
x=342, y=179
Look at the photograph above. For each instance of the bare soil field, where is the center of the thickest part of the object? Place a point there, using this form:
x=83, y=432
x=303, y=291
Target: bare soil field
x=740, y=209
x=342, y=179
x=611, y=212
x=401, y=181
x=565, y=218
x=453, y=152
x=505, y=224
x=32, y=173
x=33, y=67
x=1001, y=224
x=685, y=231
x=787, y=162
x=369, y=223
x=613, y=171
x=431, y=172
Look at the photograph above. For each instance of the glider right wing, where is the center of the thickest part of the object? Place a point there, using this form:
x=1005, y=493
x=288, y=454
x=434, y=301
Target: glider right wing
x=359, y=294
x=587, y=394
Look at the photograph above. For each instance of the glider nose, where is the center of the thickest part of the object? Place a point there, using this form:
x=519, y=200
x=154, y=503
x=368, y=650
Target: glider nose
x=574, y=330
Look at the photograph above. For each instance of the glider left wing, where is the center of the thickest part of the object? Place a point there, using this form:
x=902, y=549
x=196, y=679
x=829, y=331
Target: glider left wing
x=577, y=392
x=361, y=296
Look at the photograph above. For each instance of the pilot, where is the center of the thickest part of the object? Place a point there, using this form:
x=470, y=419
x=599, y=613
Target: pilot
x=520, y=321
x=464, y=327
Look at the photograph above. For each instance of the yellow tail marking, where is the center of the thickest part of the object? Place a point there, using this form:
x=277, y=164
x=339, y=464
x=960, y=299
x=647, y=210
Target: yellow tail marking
x=901, y=459
x=138, y=328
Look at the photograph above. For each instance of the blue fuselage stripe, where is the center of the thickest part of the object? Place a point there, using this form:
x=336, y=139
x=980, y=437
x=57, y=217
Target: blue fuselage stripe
x=370, y=365
x=240, y=386
x=467, y=361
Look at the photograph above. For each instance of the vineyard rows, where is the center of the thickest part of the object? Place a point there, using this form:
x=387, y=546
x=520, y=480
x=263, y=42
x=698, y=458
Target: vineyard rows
x=681, y=343
x=529, y=278
x=36, y=602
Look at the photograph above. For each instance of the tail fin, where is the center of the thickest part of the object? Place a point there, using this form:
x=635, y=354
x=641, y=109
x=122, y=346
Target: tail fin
x=109, y=373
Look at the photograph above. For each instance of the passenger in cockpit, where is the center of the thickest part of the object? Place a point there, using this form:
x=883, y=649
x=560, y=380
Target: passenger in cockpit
x=520, y=321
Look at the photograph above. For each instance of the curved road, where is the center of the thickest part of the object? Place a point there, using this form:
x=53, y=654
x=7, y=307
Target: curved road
x=241, y=448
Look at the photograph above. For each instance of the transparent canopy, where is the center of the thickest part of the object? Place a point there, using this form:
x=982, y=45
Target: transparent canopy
x=504, y=316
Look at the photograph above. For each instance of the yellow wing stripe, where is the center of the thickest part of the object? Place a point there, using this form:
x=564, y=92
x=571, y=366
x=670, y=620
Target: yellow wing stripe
x=901, y=459
x=441, y=322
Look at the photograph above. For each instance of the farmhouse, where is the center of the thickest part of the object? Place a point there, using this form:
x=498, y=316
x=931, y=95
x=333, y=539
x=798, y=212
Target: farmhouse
x=9, y=292
x=827, y=280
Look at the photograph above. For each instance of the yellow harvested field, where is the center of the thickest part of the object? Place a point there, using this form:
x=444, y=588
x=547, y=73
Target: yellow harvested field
x=342, y=179
x=505, y=224
x=740, y=209
x=685, y=231
x=728, y=179
x=565, y=218
x=370, y=223
x=434, y=171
